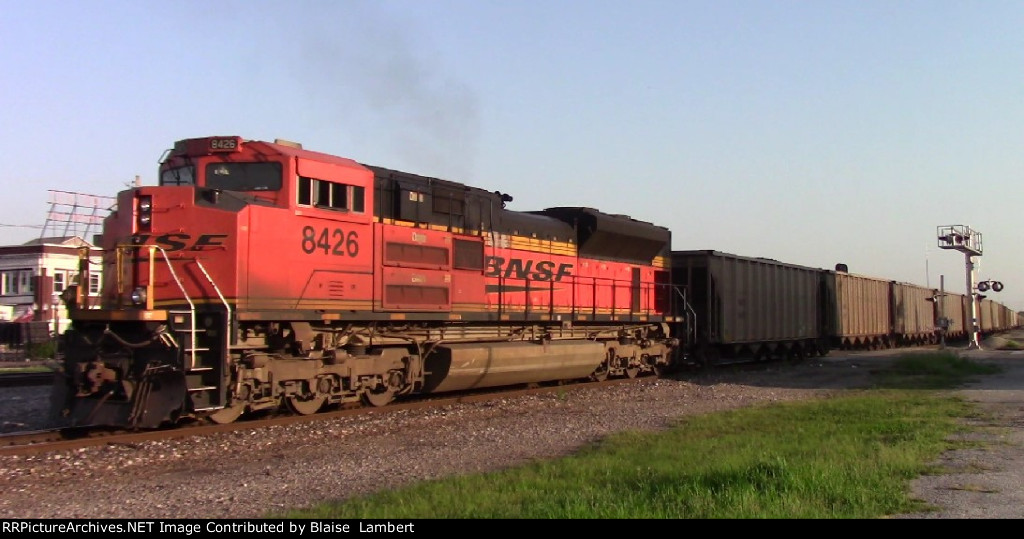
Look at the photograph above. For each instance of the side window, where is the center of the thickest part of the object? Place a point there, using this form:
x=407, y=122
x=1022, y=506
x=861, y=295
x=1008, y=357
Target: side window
x=323, y=194
x=94, y=284
x=58, y=281
x=18, y=282
x=305, y=191
x=10, y=279
x=331, y=195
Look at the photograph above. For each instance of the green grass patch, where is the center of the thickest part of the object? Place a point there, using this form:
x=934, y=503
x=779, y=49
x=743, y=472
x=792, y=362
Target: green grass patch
x=29, y=368
x=931, y=370
x=845, y=457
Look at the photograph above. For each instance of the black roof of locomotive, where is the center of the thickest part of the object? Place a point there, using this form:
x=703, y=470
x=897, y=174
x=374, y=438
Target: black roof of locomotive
x=618, y=237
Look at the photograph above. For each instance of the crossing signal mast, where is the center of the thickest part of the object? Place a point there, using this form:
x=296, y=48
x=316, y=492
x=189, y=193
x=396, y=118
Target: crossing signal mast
x=968, y=241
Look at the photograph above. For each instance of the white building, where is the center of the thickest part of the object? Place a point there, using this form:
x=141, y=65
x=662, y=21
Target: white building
x=33, y=275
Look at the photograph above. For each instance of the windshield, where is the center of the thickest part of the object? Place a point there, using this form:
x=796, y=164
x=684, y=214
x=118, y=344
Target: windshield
x=178, y=176
x=244, y=176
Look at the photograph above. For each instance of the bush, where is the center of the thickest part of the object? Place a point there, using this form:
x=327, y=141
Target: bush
x=43, y=350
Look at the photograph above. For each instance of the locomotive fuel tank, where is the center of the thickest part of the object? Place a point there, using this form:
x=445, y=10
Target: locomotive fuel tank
x=455, y=367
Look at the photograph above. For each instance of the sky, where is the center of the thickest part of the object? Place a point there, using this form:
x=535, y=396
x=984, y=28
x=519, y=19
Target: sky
x=814, y=133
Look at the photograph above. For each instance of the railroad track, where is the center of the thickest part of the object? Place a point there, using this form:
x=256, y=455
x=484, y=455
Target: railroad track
x=36, y=442
x=23, y=379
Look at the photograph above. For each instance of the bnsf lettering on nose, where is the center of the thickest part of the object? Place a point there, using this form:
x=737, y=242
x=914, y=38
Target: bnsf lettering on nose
x=517, y=268
x=178, y=242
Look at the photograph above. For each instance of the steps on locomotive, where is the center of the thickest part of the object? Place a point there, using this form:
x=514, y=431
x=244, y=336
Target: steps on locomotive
x=204, y=375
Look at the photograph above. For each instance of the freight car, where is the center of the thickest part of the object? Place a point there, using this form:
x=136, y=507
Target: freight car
x=995, y=317
x=258, y=274
x=752, y=309
x=860, y=314
x=873, y=313
x=992, y=317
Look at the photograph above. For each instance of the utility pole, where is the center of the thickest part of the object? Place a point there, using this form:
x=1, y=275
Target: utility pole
x=943, y=321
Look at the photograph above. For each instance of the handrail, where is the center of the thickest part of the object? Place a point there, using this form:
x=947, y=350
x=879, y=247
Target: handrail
x=691, y=315
x=575, y=284
x=149, y=287
x=191, y=305
x=227, y=321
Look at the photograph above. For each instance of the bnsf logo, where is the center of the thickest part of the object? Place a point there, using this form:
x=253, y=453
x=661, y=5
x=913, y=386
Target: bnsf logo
x=517, y=268
x=179, y=242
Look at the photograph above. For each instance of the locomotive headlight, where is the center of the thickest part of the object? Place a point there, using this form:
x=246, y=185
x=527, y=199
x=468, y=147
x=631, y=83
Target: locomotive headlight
x=138, y=296
x=144, y=208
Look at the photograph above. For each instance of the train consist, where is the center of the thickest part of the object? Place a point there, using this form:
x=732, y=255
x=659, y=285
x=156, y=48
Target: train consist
x=258, y=275
x=261, y=274
x=750, y=309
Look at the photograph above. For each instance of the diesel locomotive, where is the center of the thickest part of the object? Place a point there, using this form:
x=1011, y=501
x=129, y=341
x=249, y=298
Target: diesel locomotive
x=257, y=275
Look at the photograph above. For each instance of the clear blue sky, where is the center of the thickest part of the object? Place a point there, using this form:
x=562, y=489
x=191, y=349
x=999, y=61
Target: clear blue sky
x=808, y=132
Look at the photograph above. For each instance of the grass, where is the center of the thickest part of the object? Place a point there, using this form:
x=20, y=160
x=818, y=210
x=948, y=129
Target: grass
x=930, y=370
x=30, y=368
x=845, y=457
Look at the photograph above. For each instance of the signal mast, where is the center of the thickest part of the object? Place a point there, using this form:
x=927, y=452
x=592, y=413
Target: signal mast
x=968, y=241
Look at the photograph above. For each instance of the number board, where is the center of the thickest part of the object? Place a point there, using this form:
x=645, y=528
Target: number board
x=225, y=144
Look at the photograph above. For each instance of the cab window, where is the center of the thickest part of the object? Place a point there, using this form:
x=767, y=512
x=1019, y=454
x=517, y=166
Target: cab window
x=244, y=176
x=177, y=176
x=331, y=195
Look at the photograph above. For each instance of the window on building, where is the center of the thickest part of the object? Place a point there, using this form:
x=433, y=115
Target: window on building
x=94, y=284
x=27, y=286
x=331, y=195
x=17, y=282
x=58, y=281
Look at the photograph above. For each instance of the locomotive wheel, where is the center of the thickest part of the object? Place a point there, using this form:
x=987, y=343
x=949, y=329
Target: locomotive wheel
x=306, y=407
x=379, y=397
x=228, y=414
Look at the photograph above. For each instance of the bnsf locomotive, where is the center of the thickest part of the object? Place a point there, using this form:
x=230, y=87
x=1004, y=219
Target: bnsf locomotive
x=258, y=275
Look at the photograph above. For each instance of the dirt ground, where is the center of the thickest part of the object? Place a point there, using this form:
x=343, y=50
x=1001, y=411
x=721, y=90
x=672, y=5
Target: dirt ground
x=986, y=481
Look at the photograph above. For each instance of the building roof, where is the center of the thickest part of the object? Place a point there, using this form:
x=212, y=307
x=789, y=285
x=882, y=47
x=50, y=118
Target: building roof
x=67, y=241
